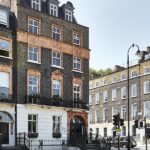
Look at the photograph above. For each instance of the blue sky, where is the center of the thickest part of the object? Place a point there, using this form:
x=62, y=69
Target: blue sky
x=114, y=26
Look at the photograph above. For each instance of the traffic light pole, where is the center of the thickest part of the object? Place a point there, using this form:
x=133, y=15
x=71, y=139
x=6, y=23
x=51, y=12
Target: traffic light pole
x=118, y=128
x=145, y=133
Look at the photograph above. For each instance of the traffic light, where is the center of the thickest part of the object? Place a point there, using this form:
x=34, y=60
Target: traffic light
x=136, y=123
x=141, y=124
x=121, y=122
x=115, y=120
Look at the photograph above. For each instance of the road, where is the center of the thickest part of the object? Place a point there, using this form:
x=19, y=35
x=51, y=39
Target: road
x=136, y=148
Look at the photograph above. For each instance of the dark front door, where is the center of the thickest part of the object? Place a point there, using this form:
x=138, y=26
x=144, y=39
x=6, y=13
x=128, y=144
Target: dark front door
x=4, y=133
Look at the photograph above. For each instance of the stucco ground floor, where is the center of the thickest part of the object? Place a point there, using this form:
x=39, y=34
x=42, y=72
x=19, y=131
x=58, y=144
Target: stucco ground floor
x=41, y=122
x=107, y=129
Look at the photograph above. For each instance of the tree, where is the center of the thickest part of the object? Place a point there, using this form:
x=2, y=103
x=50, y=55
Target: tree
x=93, y=73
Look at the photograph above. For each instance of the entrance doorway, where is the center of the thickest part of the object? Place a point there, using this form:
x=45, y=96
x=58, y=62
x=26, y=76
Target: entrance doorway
x=6, y=120
x=78, y=132
x=4, y=133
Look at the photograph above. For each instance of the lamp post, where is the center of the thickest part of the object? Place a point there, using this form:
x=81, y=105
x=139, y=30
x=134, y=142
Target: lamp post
x=138, y=51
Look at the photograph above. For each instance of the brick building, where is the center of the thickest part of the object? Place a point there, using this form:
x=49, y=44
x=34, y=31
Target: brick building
x=44, y=71
x=108, y=96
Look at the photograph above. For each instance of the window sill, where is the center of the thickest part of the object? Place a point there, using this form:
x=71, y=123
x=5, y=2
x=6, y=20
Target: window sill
x=34, y=62
x=133, y=96
x=77, y=71
x=114, y=100
x=6, y=57
x=146, y=73
x=36, y=34
x=146, y=93
x=78, y=45
x=123, y=98
x=57, y=67
x=105, y=102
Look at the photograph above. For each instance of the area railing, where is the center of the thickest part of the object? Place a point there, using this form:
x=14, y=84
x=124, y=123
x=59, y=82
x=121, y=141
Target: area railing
x=79, y=104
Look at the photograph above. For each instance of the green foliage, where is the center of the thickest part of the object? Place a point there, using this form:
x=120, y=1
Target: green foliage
x=93, y=73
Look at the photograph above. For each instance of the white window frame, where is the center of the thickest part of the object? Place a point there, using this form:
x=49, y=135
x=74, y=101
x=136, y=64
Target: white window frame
x=4, y=84
x=134, y=90
x=146, y=70
x=56, y=58
x=97, y=84
x=146, y=87
x=114, y=79
x=68, y=15
x=33, y=121
x=114, y=95
x=91, y=118
x=35, y=28
x=97, y=98
x=56, y=124
x=37, y=4
x=53, y=10
x=76, y=92
x=97, y=116
x=90, y=99
x=105, y=132
x=7, y=49
x=114, y=111
x=124, y=92
x=133, y=111
x=4, y=17
x=56, y=86
x=147, y=109
x=134, y=74
x=76, y=39
x=105, y=115
x=56, y=33
x=123, y=111
x=123, y=77
x=105, y=96
x=105, y=81
x=124, y=131
x=77, y=63
x=32, y=52
x=33, y=85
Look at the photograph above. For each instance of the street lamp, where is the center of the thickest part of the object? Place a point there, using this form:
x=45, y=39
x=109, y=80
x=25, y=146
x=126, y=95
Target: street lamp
x=138, y=52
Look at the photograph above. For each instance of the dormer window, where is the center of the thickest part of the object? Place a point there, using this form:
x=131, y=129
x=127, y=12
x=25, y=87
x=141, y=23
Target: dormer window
x=68, y=15
x=3, y=18
x=53, y=10
x=36, y=5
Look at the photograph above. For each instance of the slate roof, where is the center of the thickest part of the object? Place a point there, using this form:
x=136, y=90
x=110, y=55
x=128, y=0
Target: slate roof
x=45, y=8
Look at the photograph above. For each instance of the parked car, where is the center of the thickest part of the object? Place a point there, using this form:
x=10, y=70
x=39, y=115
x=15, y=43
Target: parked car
x=124, y=142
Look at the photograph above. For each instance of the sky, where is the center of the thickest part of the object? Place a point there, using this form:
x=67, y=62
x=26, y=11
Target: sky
x=114, y=25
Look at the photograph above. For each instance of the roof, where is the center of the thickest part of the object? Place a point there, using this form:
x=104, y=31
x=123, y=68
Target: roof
x=45, y=7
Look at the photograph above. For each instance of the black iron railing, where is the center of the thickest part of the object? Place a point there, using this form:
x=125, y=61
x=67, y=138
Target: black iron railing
x=6, y=99
x=80, y=104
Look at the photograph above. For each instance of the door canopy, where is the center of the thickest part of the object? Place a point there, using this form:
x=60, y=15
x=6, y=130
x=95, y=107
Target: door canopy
x=6, y=117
